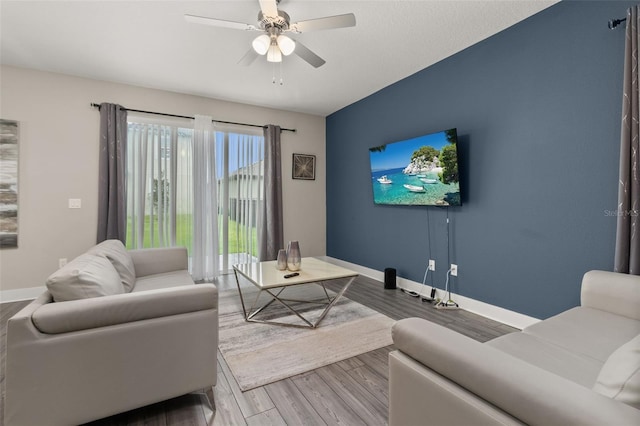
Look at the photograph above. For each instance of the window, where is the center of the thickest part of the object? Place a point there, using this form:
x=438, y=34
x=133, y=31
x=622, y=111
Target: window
x=161, y=183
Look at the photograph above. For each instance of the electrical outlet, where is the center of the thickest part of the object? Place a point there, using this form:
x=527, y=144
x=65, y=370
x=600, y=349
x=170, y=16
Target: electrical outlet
x=454, y=269
x=62, y=262
x=432, y=265
x=75, y=203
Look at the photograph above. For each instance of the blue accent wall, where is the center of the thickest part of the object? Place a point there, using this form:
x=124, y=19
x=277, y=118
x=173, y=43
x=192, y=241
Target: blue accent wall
x=537, y=108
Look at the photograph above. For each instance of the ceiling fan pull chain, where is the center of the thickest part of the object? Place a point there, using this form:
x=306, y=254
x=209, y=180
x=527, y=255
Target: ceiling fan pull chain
x=281, y=79
x=273, y=73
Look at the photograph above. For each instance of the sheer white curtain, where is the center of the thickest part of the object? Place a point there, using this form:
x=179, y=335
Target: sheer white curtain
x=204, y=258
x=159, y=187
x=191, y=185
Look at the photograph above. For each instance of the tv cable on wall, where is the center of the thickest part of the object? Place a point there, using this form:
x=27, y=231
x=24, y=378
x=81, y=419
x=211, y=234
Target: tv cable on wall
x=432, y=297
x=449, y=303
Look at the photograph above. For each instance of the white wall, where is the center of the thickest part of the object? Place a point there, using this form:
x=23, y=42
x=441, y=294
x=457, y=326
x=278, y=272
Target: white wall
x=59, y=160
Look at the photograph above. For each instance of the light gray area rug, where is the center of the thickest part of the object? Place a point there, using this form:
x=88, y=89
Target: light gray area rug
x=259, y=354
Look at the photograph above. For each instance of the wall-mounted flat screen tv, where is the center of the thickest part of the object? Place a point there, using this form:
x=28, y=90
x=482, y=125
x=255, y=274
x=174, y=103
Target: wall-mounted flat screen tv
x=420, y=171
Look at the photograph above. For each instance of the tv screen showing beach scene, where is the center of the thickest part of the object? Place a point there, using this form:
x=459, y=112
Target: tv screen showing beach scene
x=420, y=171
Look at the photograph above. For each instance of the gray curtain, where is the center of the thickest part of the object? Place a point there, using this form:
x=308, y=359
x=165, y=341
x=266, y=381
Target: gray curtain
x=112, y=219
x=271, y=229
x=627, y=254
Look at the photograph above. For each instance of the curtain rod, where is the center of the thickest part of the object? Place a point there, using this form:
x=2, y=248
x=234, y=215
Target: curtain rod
x=192, y=118
x=613, y=23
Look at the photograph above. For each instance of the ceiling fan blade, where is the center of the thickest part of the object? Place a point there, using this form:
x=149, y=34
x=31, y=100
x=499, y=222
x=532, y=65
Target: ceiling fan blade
x=269, y=7
x=308, y=56
x=327, y=23
x=248, y=58
x=219, y=23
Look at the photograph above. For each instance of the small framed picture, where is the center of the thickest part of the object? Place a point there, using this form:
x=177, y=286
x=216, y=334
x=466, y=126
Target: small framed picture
x=304, y=166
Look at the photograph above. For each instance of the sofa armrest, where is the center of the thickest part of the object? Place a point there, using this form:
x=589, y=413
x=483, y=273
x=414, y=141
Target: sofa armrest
x=612, y=292
x=419, y=395
x=22, y=322
x=159, y=260
x=76, y=315
x=526, y=392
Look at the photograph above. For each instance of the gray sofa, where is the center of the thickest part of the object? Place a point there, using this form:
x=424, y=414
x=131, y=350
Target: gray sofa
x=100, y=342
x=581, y=367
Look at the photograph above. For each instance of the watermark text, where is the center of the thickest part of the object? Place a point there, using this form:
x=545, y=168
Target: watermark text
x=622, y=213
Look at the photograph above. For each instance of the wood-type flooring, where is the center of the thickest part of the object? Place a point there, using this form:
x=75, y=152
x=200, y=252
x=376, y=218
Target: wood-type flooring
x=350, y=392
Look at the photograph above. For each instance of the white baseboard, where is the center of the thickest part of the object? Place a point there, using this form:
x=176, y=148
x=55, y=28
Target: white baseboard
x=21, y=294
x=496, y=313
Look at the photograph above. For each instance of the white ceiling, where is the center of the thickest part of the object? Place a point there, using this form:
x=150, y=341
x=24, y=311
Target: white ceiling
x=149, y=44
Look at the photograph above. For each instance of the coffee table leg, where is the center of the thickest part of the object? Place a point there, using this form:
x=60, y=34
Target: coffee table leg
x=333, y=302
x=275, y=297
x=244, y=310
x=253, y=313
x=325, y=292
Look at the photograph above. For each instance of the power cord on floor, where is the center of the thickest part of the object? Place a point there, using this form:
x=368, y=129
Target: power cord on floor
x=410, y=292
x=449, y=304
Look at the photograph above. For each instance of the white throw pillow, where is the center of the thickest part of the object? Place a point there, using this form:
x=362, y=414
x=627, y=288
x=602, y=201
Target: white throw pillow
x=85, y=276
x=116, y=252
x=619, y=377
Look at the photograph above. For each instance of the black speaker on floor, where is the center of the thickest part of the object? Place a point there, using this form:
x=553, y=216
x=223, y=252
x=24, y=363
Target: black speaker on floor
x=390, y=279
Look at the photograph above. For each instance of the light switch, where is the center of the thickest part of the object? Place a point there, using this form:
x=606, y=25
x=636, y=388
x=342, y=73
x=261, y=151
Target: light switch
x=75, y=203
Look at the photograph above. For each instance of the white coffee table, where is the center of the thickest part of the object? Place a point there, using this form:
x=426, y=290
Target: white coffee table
x=271, y=281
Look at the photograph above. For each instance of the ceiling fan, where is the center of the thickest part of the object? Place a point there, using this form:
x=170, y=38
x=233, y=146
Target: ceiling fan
x=274, y=23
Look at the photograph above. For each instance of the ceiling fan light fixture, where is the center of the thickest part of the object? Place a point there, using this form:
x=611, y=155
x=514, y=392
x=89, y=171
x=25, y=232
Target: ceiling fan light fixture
x=274, y=23
x=274, y=54
x=286, y=45
x=261, y=44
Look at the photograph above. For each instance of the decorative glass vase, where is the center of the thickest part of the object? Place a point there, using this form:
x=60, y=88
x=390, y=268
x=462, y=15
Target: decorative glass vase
x=293, y=256
x=281, y=263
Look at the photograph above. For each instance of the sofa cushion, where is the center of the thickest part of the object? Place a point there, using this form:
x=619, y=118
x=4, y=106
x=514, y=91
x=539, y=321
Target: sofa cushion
x=586, y=331
x=164, y=280
x=580, y=369
x=85, y=276
x=120, y=258
x=620, y=375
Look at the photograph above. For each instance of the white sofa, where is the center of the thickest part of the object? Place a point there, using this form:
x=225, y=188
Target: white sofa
x=581, y=367
x=105, y=347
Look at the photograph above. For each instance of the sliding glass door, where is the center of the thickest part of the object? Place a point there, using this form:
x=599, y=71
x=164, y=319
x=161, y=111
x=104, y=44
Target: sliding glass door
x=240, y=191
x=161, y=183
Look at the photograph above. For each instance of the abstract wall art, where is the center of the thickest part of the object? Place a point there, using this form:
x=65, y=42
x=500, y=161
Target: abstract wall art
x=304, y=166
x=9, y=139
